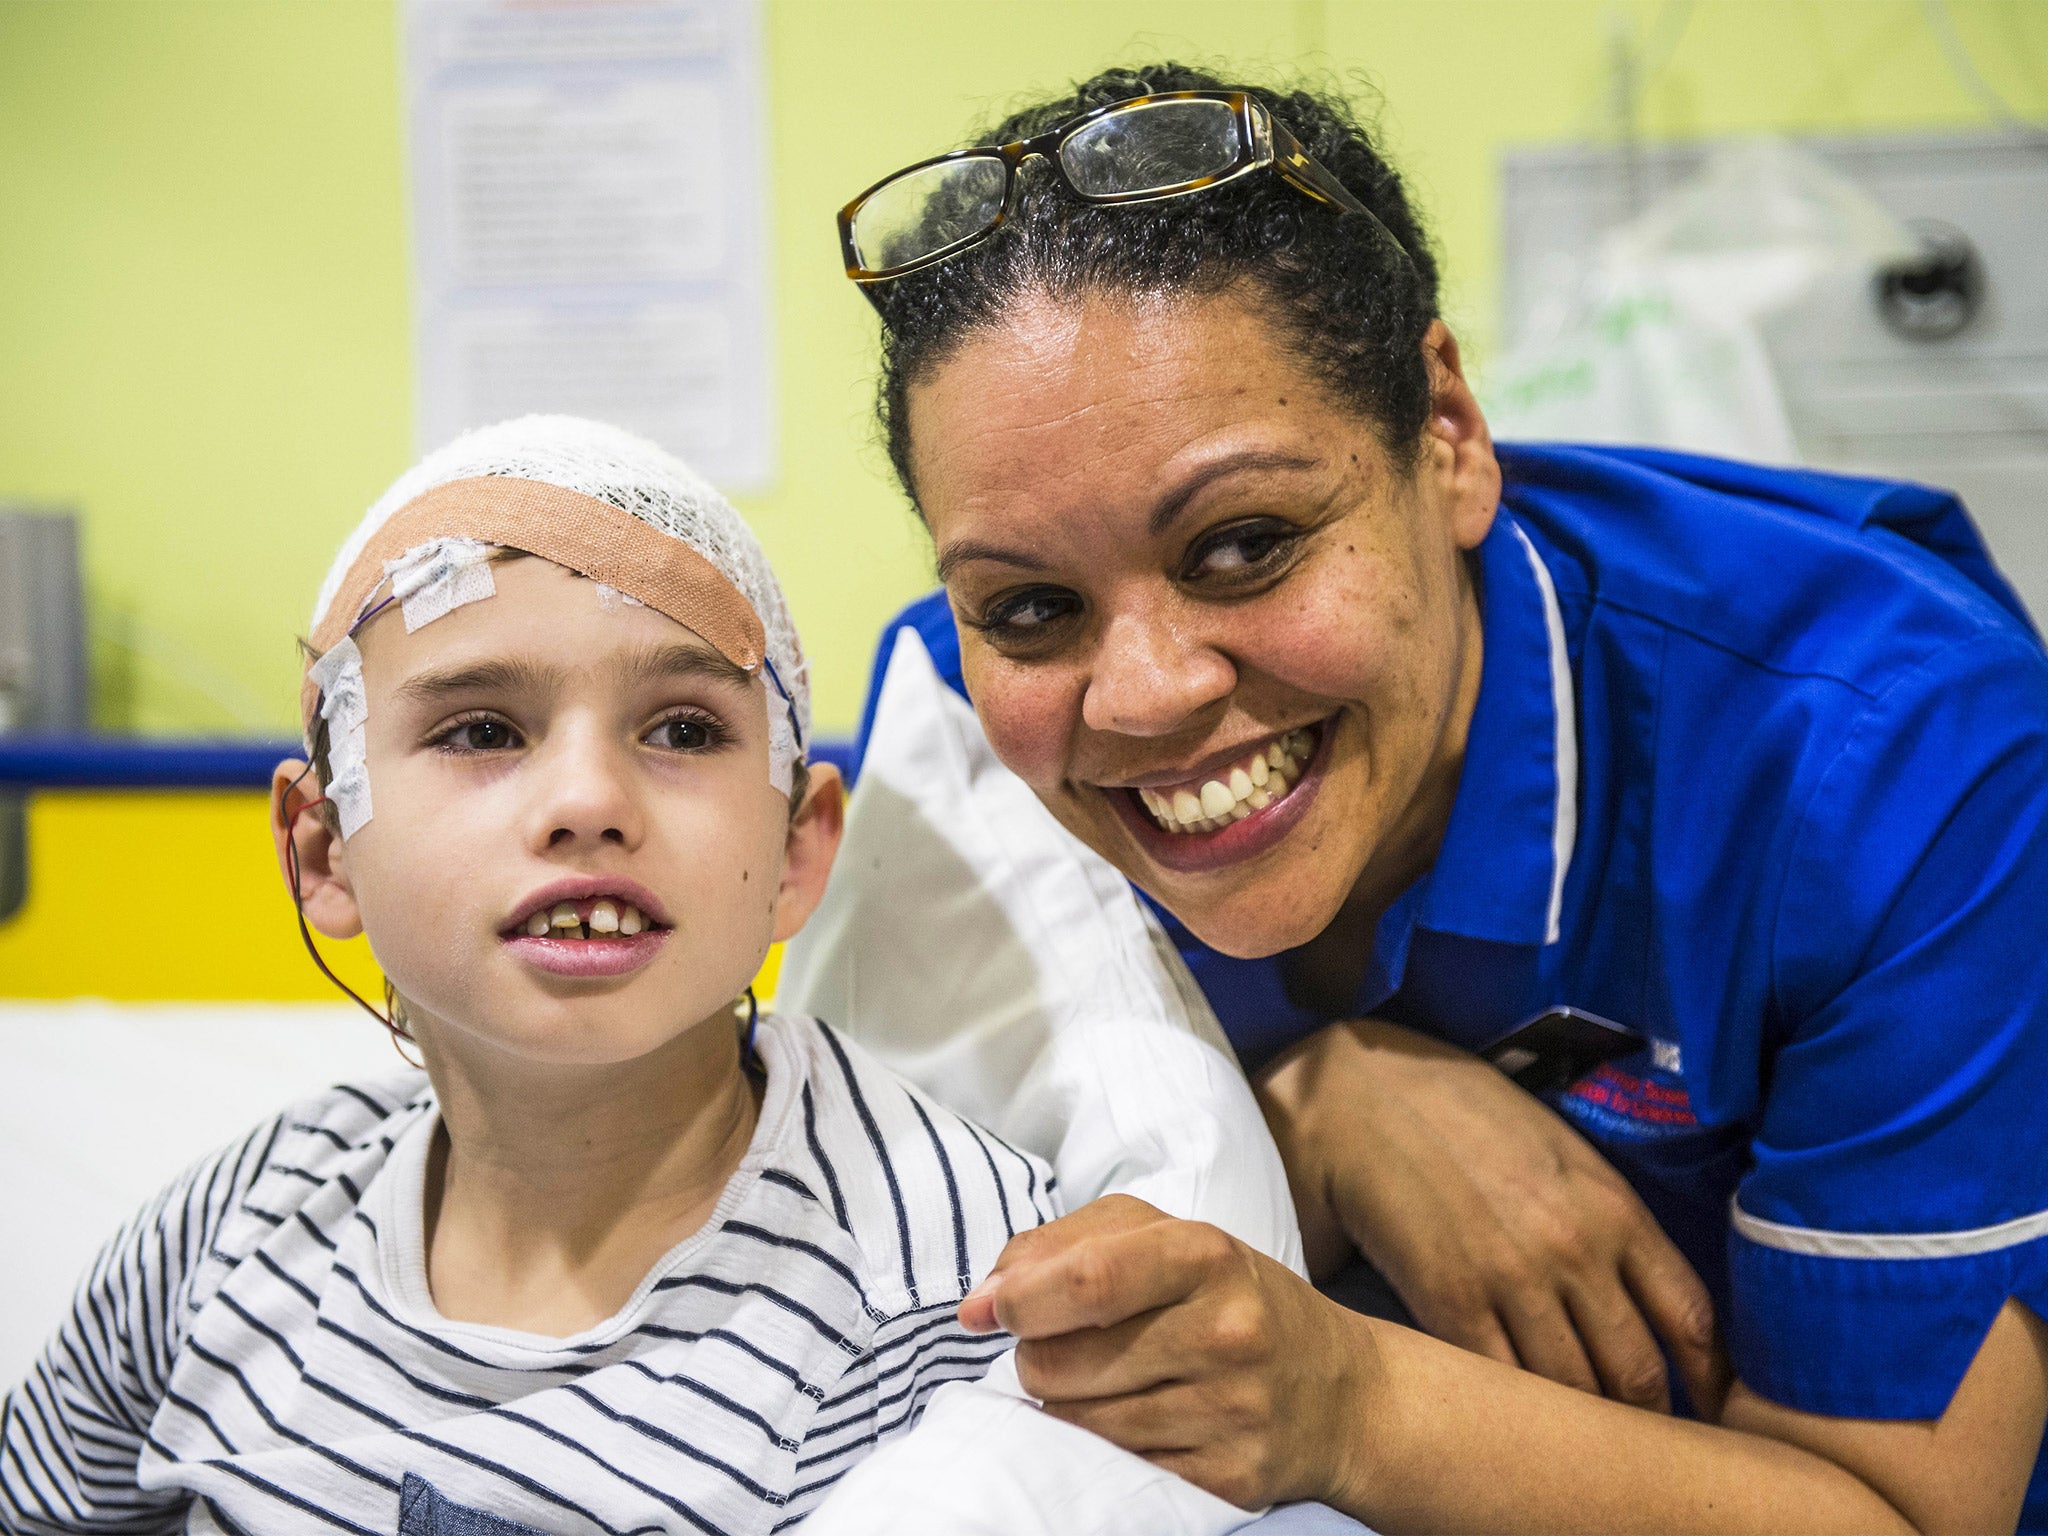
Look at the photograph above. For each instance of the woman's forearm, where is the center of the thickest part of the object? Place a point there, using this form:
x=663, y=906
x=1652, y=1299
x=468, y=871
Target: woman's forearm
x=1450, y=1441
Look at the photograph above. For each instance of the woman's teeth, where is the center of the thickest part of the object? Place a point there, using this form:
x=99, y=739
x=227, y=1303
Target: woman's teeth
x=604, y=920
x=1251, y=784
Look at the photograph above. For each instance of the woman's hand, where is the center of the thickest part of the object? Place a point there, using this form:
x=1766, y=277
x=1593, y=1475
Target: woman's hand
x=1502, y=1229
x=1183, y=1345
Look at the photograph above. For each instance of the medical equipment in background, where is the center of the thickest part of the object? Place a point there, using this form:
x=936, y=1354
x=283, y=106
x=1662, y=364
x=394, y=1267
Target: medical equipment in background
x=1928, y=363
x=44, y=683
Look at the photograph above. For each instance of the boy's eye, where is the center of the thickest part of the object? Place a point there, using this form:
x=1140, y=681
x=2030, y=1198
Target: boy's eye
x=486, y=735
x=479, y=735
x=685, y=733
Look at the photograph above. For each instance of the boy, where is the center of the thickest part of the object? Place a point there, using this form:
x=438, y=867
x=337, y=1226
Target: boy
x=614, y=1261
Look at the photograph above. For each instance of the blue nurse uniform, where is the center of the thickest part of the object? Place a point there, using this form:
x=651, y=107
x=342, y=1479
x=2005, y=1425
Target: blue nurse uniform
x=1759, y=767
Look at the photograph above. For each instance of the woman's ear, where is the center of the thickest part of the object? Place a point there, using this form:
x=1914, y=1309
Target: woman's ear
x=300, y=827
x=1460, y=444
x=814, y=833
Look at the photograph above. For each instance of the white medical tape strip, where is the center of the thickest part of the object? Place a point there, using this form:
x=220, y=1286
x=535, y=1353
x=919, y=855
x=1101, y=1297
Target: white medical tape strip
x=438, y=577
x=345, y=707
x=612, y=597
x=782, y=747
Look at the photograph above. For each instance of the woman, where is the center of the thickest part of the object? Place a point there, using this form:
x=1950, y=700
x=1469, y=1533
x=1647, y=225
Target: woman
x=1411, y=739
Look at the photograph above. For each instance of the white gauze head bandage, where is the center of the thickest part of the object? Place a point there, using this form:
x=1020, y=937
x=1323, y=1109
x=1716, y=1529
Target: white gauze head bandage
x=601, y=502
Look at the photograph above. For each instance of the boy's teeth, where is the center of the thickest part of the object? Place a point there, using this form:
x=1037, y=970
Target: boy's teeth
x=1248, y=786
x=607, y=917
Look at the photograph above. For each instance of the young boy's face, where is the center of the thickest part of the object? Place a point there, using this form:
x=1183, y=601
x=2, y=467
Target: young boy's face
x=548, y=754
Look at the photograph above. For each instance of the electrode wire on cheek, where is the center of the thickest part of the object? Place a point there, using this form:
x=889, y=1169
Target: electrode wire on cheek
x=399, y=1037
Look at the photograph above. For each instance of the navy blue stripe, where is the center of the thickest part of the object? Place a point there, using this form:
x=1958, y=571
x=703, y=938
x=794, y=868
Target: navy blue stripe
x=314, y=1231
x=924, y=1380
x=824, y=1162
x=283, y=1497
x=277, y=1427
x=341, y=1142
x=789, y=1181
x=727, y=1336
x=788, y=1304
x=858, y=1443
x=382, y=1112
x=709, y=1393
x=795, y=1245
x=538, y=1490
x=995, y=1178
x=35, y=1450
x=387, y=1315
x=867, y=1120
x=287, y=1277
x=960, y=1261
x=326, y=1389
x=220, y=1518
x=179, y=1400
x=663, y=1437
x=417, y=1383
x=1030, y=1168
x=997, y=1344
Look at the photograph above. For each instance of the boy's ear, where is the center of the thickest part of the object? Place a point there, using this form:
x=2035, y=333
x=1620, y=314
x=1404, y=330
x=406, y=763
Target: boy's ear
x=814, y=833
x=297, y=825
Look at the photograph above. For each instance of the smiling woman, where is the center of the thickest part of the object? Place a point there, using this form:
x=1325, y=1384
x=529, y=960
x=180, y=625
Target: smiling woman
x=1409, y=739
x=1161, y=532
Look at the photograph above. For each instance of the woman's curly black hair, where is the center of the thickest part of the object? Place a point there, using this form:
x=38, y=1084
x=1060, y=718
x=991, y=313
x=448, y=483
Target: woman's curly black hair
x=1352, y=308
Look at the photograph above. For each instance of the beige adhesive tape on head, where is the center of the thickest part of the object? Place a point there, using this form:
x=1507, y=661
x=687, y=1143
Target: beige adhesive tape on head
x=585, y=535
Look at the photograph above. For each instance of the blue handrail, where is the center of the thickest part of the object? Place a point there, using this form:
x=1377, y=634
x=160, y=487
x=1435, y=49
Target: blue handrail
x=128, y=762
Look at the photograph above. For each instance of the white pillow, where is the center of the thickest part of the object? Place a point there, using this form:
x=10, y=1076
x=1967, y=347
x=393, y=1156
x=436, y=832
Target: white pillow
x=986, y=954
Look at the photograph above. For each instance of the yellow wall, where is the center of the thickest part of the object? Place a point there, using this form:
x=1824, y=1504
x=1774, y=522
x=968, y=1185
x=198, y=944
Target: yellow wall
x=204, y=331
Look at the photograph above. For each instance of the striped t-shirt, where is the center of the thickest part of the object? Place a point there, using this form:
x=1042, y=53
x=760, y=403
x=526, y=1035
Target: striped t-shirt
x=258, y=1351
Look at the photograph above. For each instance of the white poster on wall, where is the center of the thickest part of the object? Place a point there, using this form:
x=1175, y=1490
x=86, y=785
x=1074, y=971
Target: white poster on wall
x=589, y=226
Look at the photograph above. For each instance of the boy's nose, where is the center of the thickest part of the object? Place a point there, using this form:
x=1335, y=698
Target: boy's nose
x=586, y=795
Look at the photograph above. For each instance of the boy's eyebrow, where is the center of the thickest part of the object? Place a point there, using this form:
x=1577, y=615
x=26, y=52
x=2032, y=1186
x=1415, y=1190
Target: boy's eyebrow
x=504, y=675
x=495, y=676
x=689, y=661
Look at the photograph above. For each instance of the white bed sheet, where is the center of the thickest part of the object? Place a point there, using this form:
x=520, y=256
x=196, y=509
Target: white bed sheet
x=101, y=1104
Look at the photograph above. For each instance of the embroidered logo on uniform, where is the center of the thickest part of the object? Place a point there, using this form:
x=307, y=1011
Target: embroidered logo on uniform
x=1624, y=1106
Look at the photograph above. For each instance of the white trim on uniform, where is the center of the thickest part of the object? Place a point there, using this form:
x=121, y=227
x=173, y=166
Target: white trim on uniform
x=1888, y=1245
x=1564, y=828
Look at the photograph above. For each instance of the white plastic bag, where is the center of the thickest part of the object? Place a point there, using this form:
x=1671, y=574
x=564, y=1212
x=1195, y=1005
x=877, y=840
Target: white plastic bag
x=1661, y=337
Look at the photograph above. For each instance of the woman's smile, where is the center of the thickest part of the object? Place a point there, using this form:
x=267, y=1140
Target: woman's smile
x=1228, y=812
